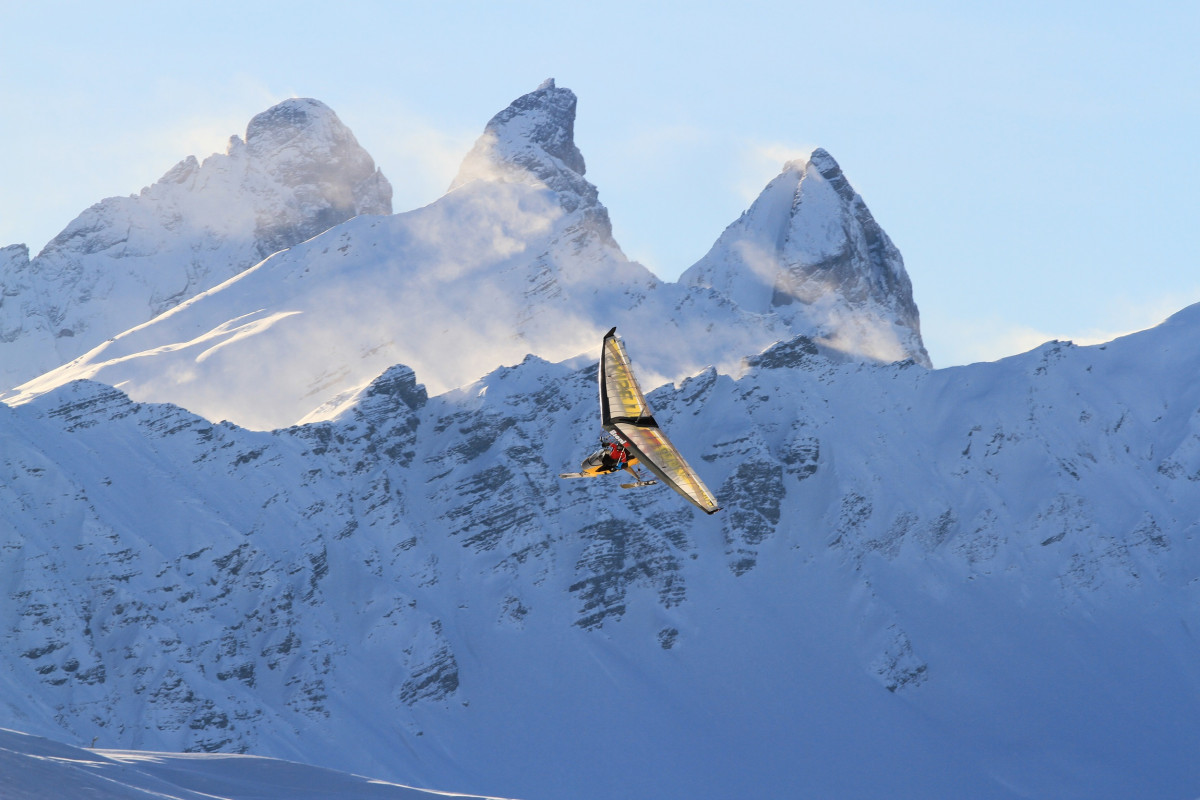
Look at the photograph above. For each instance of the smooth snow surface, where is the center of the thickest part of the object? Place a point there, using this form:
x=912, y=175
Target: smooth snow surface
x=33, y=768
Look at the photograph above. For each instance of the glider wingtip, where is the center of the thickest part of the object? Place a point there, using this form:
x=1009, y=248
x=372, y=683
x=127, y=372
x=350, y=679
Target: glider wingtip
x=611, y=333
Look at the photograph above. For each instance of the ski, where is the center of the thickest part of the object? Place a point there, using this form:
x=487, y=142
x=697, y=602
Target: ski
x=639, y=483
x=571, y=475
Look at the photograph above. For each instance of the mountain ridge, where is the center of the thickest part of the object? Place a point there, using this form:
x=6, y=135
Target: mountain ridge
x=517, y=258
x=35, y=768
x=902, y=552
x=126, y=260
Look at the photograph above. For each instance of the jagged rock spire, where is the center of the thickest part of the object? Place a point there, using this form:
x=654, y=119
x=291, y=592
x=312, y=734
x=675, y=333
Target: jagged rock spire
x=809, y=251
x=534, y=136
x=533, y=141
x=304, y=146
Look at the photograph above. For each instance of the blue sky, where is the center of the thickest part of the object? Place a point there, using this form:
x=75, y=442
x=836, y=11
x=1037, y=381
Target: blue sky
x=1036, y=163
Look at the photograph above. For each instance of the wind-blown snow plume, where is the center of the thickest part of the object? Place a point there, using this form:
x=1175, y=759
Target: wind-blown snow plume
x=518, y=258
x=533, y=141
x=298, y=172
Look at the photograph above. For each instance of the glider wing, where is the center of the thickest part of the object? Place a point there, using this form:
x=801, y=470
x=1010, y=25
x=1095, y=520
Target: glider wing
x=625, y=412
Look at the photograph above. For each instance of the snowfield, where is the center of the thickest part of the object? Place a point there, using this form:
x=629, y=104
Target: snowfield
x=32, y=768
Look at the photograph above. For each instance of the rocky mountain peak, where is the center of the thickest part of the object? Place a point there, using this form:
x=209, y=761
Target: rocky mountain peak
x=824, y=163
x=125, y=260
x=304, y=142
x=809, y=250
x=533, y=141
x=293, y=118
x=316, y=160
x=16, y=255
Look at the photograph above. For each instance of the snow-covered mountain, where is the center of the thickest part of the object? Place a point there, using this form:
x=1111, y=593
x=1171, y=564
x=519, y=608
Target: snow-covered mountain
x=976, y=581
x=517, y=258
x=533, y=141
x=808, y=250
x=298, y=172
x=979, y=581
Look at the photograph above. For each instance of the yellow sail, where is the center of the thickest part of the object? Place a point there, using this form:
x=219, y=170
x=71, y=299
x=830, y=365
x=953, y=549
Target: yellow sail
x=625, y=412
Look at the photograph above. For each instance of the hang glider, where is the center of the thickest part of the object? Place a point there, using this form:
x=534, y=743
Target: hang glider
x=625, y=414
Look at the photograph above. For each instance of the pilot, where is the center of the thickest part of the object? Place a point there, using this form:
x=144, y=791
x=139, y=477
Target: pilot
x=615, y=457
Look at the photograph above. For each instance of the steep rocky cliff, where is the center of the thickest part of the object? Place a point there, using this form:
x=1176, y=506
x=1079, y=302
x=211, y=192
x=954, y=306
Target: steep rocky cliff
x=406, y=590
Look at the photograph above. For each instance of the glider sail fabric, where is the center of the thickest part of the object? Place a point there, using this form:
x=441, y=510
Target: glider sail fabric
x=625, y=412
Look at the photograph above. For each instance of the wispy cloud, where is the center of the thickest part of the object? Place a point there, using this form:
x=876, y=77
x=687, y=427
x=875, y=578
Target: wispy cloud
x=763, y=161
x=419, y=157
x=202, y=126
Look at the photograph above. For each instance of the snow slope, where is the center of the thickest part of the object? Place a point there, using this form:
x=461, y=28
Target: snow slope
x=33, y=768
x=517, y=258
x=298, y=171
x=976, y=581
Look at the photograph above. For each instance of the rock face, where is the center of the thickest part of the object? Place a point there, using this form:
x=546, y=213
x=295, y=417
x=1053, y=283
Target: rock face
x=809, y=251
x=533, y=141
x=128, y=259
x=323, y=177
x=901, y=552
